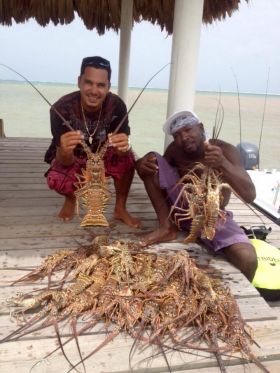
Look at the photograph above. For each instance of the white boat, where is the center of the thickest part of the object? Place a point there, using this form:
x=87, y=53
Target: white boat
x=267, y=185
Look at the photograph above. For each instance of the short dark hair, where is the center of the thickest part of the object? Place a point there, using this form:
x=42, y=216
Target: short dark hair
x=98, y=63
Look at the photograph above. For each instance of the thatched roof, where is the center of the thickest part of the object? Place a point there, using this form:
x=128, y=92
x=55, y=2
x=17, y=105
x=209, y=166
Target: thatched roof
x=104, y=15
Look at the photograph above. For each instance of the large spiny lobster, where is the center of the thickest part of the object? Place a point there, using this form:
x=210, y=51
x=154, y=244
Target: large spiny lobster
x=162, y=299
x=91, y=188
x=199, y=201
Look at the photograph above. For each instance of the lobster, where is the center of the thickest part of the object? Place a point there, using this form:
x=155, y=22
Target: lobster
x=199, y=200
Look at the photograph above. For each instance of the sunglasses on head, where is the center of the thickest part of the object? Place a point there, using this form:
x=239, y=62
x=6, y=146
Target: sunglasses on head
x=97, y=62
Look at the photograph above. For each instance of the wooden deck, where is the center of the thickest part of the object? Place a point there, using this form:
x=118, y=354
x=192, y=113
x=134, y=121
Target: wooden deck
x=29, y=231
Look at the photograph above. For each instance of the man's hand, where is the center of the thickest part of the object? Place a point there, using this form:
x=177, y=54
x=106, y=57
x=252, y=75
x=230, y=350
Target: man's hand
x=68, y=142
x=119, y=141
x=213, y=155
x=147, y=165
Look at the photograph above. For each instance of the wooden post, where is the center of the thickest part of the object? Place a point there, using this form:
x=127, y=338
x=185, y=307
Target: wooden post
x=185, y=48
x=2, y=133
x=124, y=54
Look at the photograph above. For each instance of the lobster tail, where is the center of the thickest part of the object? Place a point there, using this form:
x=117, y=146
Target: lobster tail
x=91, y=219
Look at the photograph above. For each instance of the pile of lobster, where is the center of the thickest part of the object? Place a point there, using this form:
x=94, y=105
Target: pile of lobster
x=159, y=299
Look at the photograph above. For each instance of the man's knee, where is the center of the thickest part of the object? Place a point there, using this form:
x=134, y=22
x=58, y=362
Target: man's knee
x=147, y=165
x=62, y=179
x=243, y=256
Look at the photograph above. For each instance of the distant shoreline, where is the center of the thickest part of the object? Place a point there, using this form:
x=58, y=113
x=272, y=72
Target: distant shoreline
x=25, y=114
x=14, y=81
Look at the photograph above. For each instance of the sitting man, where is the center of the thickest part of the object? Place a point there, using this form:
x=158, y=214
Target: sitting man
x=160, y=175
x=94, y=113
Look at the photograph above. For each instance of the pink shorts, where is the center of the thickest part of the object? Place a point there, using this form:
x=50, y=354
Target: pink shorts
x=62, y=178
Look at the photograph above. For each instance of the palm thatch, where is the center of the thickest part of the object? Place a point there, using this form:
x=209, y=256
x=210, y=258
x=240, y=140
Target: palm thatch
x=104, y=15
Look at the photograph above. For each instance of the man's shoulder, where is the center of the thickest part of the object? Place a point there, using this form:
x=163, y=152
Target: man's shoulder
x=113, y=98
x=114, y=106
x=68, y=98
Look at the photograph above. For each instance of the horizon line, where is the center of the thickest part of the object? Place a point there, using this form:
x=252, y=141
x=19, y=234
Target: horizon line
x=134, y=87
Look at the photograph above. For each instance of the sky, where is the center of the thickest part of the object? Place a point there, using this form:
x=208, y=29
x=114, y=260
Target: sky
x=245, y=45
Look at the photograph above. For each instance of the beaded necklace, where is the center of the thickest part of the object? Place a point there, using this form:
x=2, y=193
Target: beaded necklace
x=91, y=135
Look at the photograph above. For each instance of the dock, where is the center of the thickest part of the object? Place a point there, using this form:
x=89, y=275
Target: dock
x=30, y=230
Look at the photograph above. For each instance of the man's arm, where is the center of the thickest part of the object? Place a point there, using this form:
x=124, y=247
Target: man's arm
x=118, y=111
x=226, y=158
x=65, y=151
x=120, y=141
x=64, y=140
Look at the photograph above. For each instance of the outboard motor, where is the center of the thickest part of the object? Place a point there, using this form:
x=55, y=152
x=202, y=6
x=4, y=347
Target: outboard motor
x=249, y=155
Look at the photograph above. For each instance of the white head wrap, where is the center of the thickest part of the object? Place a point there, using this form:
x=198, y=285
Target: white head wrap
x=180, y=120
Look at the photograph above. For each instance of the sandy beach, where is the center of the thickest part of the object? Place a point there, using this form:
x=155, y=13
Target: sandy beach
x=26, y=114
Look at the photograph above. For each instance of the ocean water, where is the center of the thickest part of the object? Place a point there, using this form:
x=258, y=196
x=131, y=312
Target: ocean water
x=26, y=114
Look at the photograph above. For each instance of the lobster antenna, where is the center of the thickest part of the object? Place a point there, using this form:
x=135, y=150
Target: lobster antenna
x=216, y=116
x=264, y=108
x=239, y=106
x=219, y=118
x=65, y=122
x=137, y=98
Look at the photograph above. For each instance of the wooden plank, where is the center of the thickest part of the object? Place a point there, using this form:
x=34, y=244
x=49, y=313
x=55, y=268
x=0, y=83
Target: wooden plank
x=23, y=168
x=30, y=179
x=137, y=192
x=42, y=186
x=12, y=139
x=31, y=210
x=28, y=193
x=271, y=366
x=114, y=357
x=135, y=195
x=13, y=148
x=57, y=228
x=148, y=220
x=54, y=199
x=35, y=143
x=44, y=242
x=8, y=156
x=27, y=175
x=22, y=179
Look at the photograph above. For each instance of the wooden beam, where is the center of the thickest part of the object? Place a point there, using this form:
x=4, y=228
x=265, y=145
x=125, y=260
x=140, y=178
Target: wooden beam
x=124, y=53
x=2, y=133
x=185, y=48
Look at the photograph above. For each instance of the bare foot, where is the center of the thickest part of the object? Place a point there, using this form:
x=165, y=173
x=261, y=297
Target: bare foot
x=125, y=217
x=67, y=211
x=162, y=234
